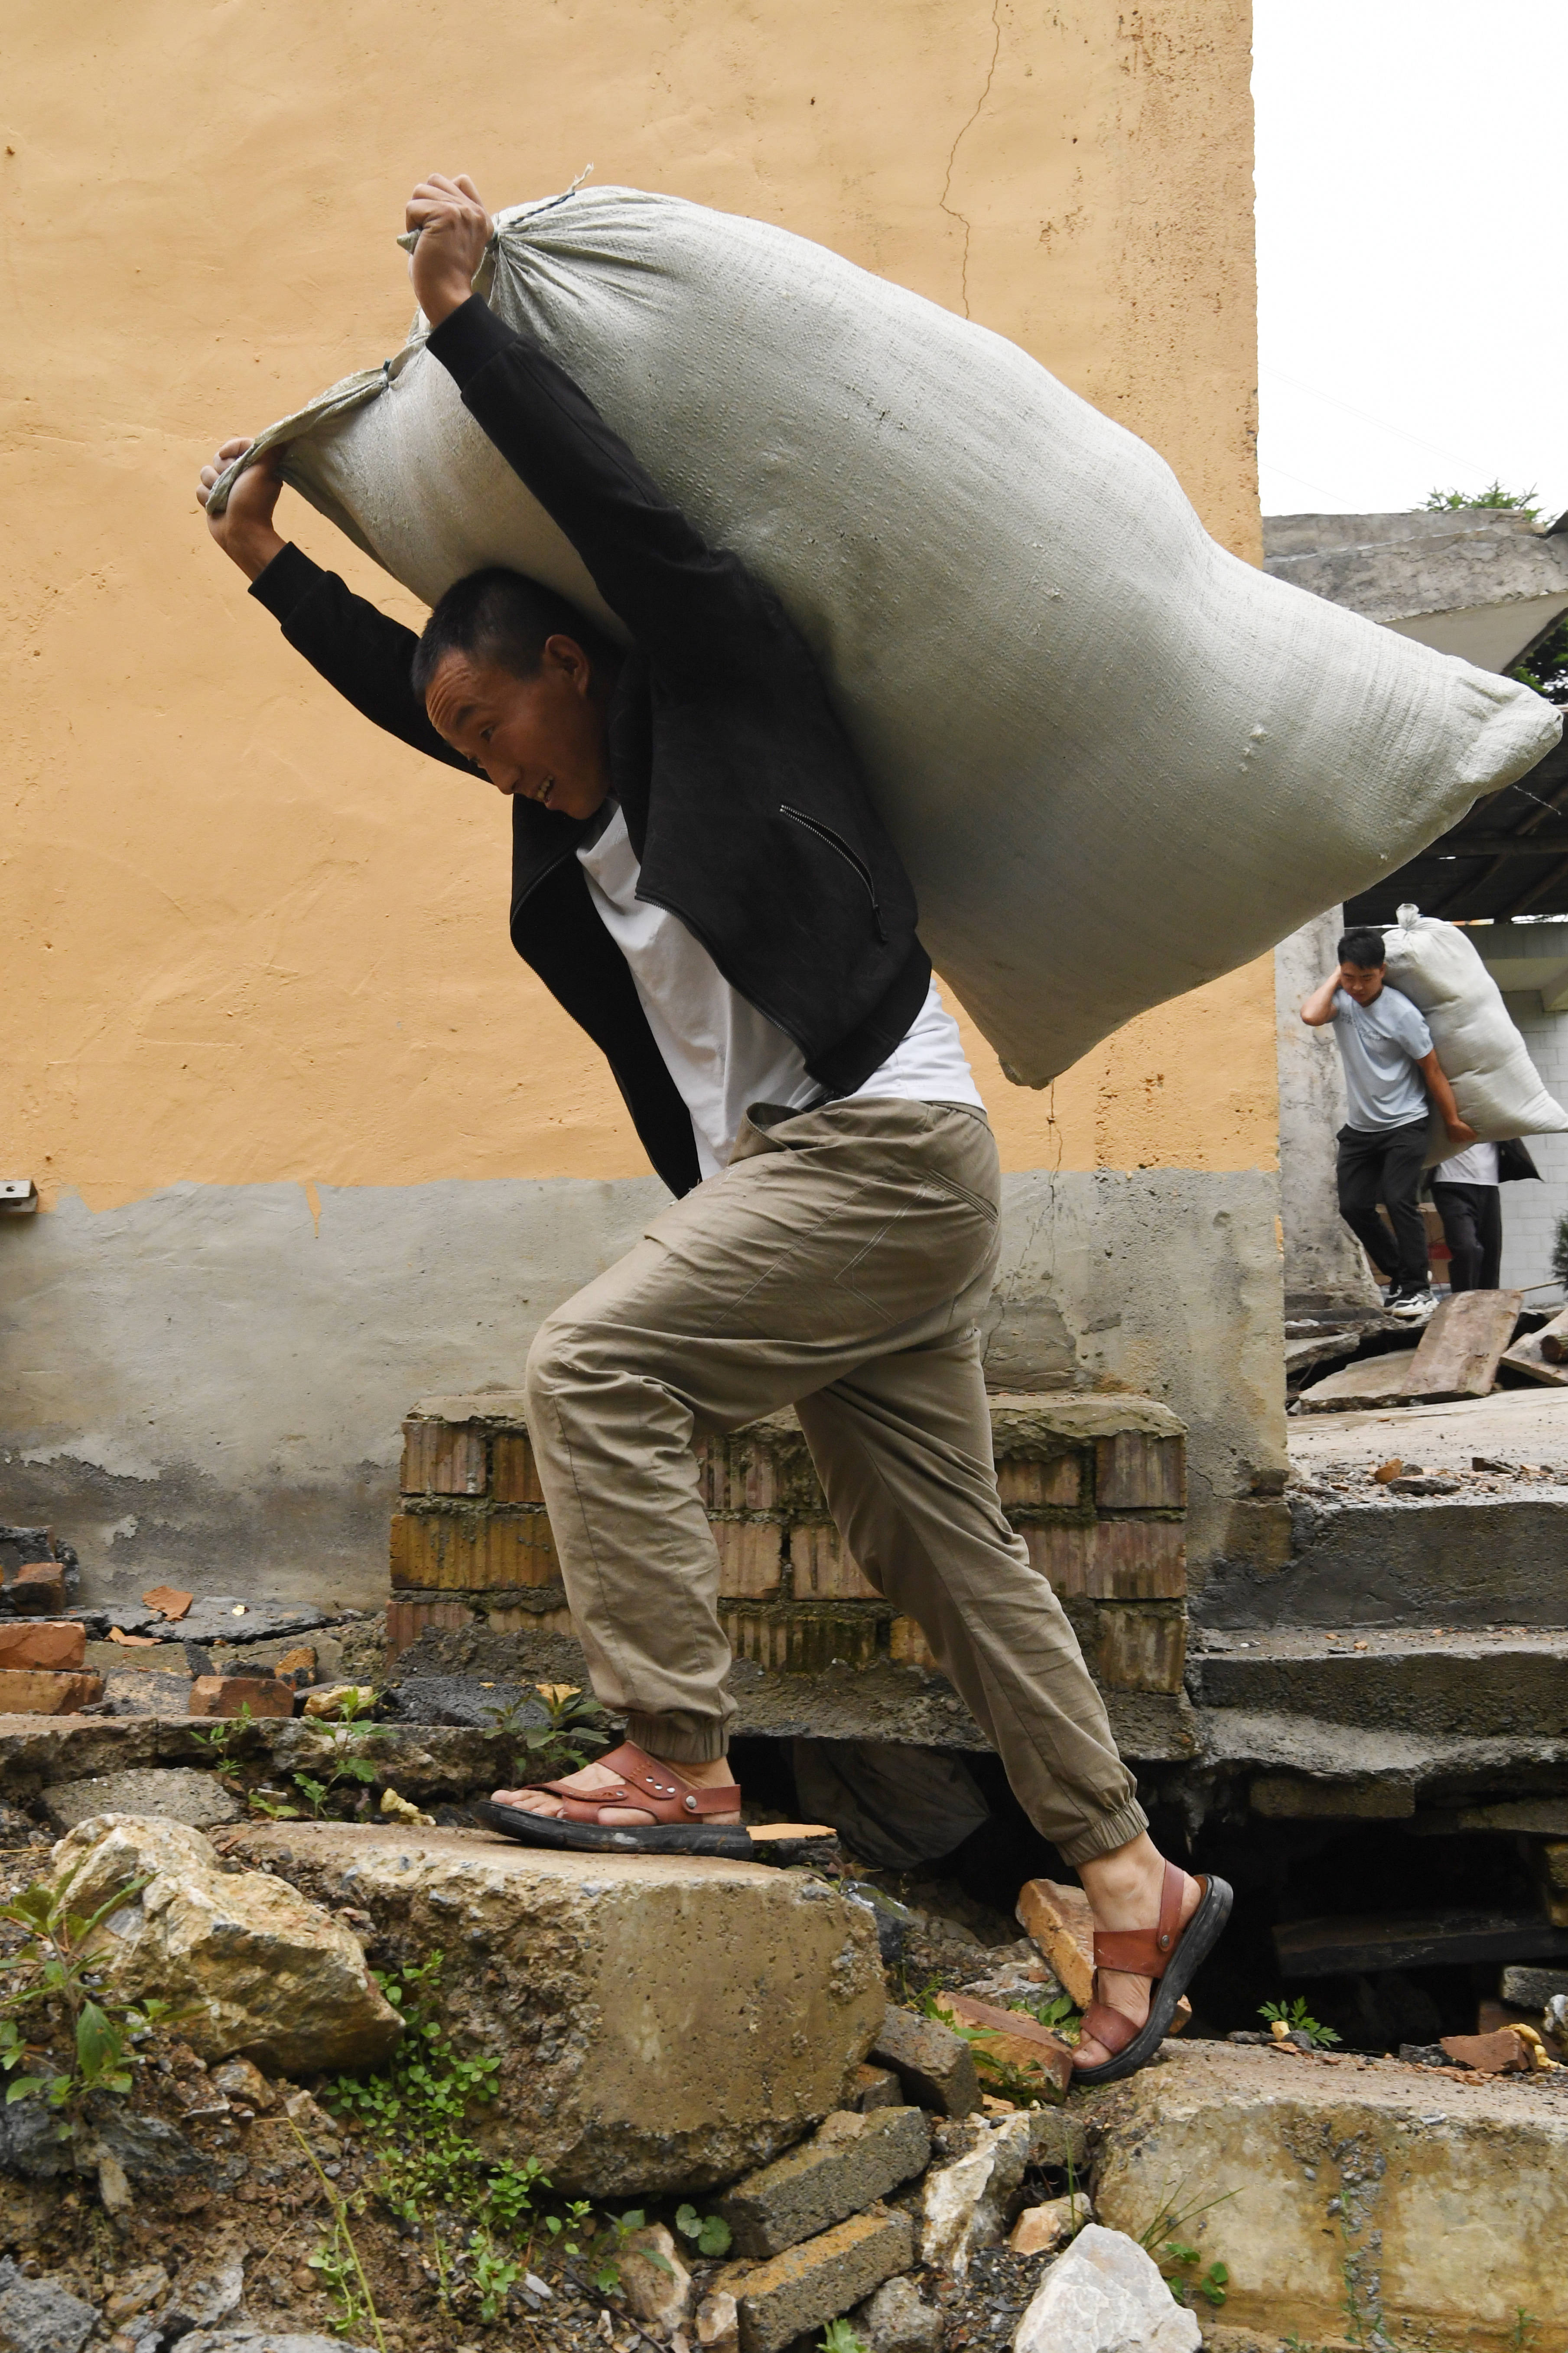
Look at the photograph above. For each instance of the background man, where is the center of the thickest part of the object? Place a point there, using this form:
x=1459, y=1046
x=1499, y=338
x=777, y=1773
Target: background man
x=701, y=877
x=1391, y=1068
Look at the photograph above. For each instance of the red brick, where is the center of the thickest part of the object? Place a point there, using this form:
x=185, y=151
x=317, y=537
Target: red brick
x=1022, y=1481
x=822, y=1568
x=1137, y=1651
x=472, y=1552
x=907, y=1645
x=514, y=1475
x=226, y=1694
x=57, y=1642
x=38, y=1589
x=738, y=1473
x=406, y=1620
x=1062, y=1554
x=38, y=1691
x=1135, y=1472
x=750, y=1558
x=801, y=1646
x=443, y=1457
x=1138, y=1560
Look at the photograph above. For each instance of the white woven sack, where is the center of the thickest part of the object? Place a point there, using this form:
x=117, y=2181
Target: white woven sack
x=1485, y=1061
x=1117, y=761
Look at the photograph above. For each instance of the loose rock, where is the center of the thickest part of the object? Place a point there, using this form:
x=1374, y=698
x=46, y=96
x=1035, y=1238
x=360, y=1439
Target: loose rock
x=256, y=1968
x=40, y=2316
x=174, y=1793
x=963, y=2205
x=655, y=2282
x=896, y=2320
x=935, y=2066
x=719, y=2323
x=226, y=1694
x=1105, y=2296
x=1041, y=2229
x=264, y=2341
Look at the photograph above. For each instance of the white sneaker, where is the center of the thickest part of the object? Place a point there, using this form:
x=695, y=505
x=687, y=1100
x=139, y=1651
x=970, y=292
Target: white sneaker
x=1412, y=1306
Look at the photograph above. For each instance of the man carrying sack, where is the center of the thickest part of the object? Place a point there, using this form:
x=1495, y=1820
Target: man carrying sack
x=1390, y=1065
x=701, y=879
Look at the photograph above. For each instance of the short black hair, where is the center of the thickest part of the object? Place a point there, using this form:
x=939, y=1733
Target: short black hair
x=502, y=617
x=1364, y=948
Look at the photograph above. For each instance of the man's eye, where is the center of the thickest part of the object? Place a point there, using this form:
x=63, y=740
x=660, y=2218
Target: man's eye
x=485, y=734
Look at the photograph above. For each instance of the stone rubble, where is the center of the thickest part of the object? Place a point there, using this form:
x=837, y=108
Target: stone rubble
x=256, y=1967
x=1106, y=2296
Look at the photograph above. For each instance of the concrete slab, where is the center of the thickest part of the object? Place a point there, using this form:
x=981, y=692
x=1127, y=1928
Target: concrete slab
x=1418, y=1682
x=662, y=2023
x=1522, y=1425
x=1432, y=2207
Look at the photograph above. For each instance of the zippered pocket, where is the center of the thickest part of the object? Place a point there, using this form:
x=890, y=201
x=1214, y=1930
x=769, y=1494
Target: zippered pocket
x=850, y=856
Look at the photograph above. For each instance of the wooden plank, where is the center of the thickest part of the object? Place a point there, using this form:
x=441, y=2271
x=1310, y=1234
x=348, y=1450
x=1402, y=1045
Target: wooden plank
x=1338, y=1948
x=1462, y=1345
x=1533, y=1354
x=1374, y=1381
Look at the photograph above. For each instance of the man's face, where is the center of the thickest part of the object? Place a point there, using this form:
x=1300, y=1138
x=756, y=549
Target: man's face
x=1362, y=981
x=542, y=736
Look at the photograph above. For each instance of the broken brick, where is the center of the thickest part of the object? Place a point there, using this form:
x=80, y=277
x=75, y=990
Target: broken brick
x=38, y=1589
x=58, y=1642
x=226, y=1694
x=934, y=2065
x=1011, y=2039
x=845, y=2167
x=817, y=2281
x=41, y=1690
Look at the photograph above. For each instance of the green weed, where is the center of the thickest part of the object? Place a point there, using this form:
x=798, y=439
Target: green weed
x=61, y=2034
x=839, y=2338
x=709, y=2233
x=1181, y=2274
x=1298, y=2018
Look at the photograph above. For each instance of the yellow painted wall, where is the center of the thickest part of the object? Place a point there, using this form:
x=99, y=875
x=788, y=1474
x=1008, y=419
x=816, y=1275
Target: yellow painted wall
x=244, y=937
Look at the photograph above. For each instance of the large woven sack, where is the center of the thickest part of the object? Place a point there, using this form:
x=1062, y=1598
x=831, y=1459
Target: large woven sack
x=1485, y=1061
x=1117, y=761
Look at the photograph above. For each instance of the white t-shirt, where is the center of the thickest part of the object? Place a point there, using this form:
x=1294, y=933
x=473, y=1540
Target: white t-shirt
x=722, y=1054
x=1477, y=1165
x=1380, y=1045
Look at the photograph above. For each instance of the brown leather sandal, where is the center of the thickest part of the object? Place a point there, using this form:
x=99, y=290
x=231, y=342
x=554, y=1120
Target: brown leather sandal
x=650, y=1789
x=678, y=1809
x=1170, y=1956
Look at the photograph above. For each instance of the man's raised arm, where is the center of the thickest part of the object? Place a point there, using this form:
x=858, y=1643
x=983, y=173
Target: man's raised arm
x=1320, y=1007
x=365, y=654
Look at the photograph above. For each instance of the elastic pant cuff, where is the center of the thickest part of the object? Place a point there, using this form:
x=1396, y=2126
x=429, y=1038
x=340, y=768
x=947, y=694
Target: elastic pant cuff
x=1113, y=1831
x=676, y=1740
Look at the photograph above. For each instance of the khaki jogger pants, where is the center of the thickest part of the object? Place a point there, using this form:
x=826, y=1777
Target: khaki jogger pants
x=837, y=1264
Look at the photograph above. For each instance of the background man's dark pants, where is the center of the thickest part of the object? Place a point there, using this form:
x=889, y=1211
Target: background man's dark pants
x=1472, y=1228
x=1384, y=1165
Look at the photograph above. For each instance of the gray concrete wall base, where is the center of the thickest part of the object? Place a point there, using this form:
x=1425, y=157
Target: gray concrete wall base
x=1468, y=1562
x=208, y=1384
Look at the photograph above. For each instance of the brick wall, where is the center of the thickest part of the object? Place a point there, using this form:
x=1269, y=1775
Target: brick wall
x=1095, y=1485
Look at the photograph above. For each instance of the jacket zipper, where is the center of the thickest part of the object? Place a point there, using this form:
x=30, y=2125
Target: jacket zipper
x=851, y=858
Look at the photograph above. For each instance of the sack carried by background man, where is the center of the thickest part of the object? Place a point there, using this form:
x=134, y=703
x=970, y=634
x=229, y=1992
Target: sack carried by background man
x=1514, y=1162
x=1485, y=1061
x=1117, y=761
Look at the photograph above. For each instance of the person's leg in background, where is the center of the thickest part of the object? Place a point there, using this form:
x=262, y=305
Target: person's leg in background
x=1456, y=1205
x=1404, y=1157
x=1489, y=1222
x=1359, y=1175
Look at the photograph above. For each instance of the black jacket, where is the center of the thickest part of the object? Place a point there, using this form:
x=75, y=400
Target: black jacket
x=742, y=798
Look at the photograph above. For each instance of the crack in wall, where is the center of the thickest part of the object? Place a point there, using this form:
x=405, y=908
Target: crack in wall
x=964, y=128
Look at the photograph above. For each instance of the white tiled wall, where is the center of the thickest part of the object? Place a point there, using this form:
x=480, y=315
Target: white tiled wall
x=1530, y=1212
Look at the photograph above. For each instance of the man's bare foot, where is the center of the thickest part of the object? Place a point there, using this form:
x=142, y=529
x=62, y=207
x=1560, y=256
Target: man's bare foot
x=716, y=1775
x=1124, y=1890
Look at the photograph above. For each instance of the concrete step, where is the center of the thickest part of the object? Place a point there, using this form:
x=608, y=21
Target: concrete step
x=1425, y=1682
x=1473, y=1560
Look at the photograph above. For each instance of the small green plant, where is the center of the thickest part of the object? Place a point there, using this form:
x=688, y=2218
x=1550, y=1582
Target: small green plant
x=709, y=2233
x=1439, y=501
x=1181, y=2274
x=1298, y=2019
x=220, y=1736
x=59, y=2003
x=839, y=2338
x=1526, y=2329
x=575, y=1728
x=336, y=2261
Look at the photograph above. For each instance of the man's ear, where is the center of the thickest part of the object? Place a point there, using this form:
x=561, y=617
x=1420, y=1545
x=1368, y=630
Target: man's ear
x=571, y=661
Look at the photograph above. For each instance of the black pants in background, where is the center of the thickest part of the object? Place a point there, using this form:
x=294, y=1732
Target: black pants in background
x=1384, y=1165
x=1472, y=1228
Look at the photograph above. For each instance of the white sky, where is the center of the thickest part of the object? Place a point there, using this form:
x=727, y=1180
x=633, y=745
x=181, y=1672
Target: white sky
x=1412, y=328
